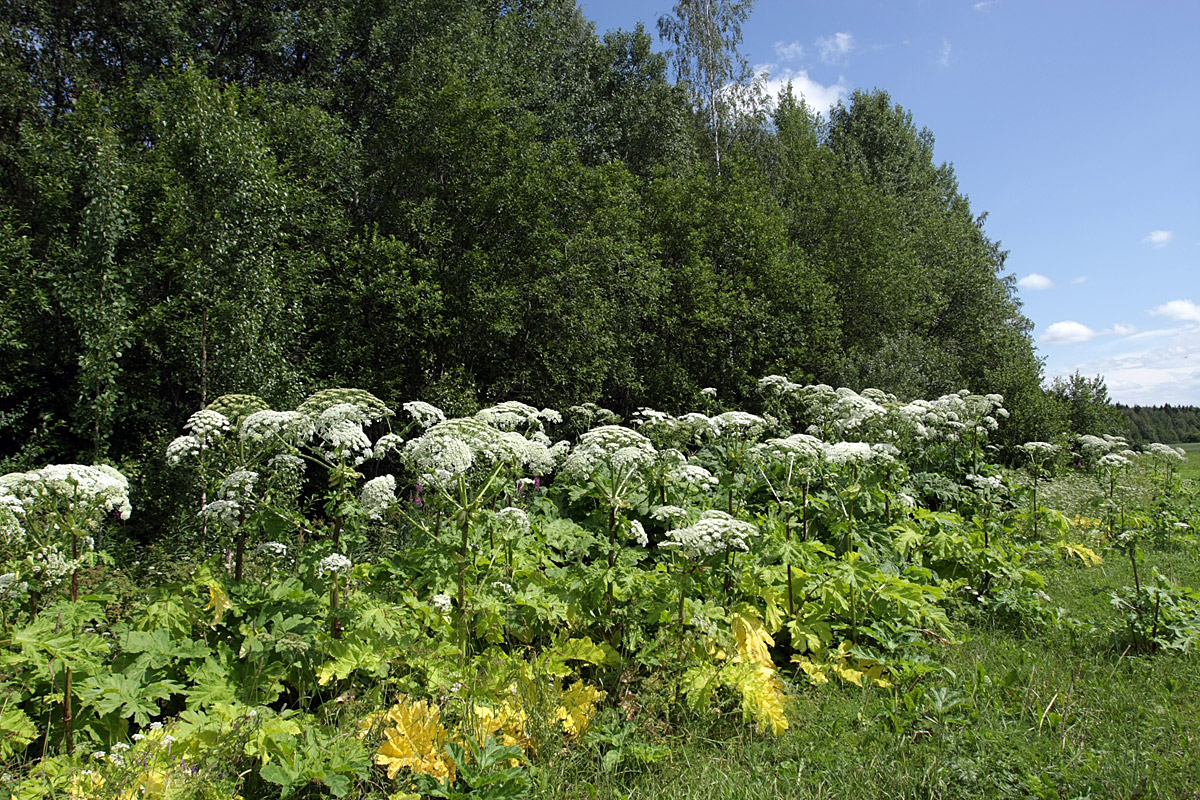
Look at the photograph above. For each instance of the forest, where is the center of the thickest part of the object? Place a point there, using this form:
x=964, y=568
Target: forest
x=1162, y=423
x=460, y=202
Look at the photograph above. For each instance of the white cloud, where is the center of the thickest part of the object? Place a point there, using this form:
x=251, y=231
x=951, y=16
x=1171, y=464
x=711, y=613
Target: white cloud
x=1165, y=372
x=818, y=97
x=1179, y=310
x=789, y=52
x=1036, y=282
x=1079, y=280
x=834, y=48
x=1068, y=332
x=944, y=57
x=984, y=5
x=1122, y=329
x=1159, y=238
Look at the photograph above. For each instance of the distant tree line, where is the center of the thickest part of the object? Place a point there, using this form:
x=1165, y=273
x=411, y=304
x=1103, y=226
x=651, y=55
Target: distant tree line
x=460, y=202
x=1167, y=424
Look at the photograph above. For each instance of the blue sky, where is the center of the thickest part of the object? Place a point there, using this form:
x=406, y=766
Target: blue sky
x=1075, y=125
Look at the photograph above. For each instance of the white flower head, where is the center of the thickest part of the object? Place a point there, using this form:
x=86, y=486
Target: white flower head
x=715, y=532
x=637, y=532
x=274, y=550
x=183, y=447
x=511, y=416
x=225, y=513
x=287, y=427
x=239, y=485
x=610, y=450
x=739, y=425
x=207, y=425
x=441, y=603
x=424, y=414
x=334, y=564
x=513, y=519
x=848, y=453
x=665, y=513
x=377, y=495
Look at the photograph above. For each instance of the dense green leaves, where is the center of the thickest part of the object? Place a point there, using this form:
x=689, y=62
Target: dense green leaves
x=465, y=202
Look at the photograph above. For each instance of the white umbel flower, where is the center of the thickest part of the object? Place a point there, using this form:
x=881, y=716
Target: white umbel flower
x=377, y=495
x=334, y=564
x=207, y=425
x=424, y=414
x=715, y=532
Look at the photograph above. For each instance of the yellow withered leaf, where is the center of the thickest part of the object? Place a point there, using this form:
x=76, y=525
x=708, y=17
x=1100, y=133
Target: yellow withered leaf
x=415, y=740
x=578, y=707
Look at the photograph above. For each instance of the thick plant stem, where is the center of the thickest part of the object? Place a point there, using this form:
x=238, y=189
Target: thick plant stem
x=679, y=651
x=787, y=537
x=68, y=733
x=612, y=553
x=335, y=627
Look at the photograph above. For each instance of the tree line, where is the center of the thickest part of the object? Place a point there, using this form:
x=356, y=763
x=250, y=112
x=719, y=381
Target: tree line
x=1165, y=423
x=461, y=202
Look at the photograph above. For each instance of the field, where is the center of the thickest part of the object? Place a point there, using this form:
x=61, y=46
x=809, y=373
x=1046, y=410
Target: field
x=526, y=603
x=1192, y=468
x=1054, y=715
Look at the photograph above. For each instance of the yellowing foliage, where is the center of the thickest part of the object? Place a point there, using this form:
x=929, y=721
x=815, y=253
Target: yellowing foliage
x=754, y=675
x=846, y=666
x=1087, y=555
x=578, y=707
x=415, y=740
x=507, y=724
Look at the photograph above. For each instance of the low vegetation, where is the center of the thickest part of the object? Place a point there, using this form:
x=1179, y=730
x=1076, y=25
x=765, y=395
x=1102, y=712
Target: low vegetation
x=846, y=595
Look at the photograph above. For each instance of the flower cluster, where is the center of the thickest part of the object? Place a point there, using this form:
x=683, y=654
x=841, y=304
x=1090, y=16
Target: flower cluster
x=715, y=532
x=739, y=425
x=239, y=485
x=183, y=447
x=454, y=447
x=1164, y=452
x=85, y=494
x=223, y=513
x=511, y=416
x=513, y=519
x=334, y=564
x=610, y=449
x=424, y=414
x=377, y=495
x=207, y=426
x=340, y=428
x=288, y=427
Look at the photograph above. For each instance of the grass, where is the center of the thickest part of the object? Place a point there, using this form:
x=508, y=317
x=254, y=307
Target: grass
x=1192, y=468
x=1063, y=713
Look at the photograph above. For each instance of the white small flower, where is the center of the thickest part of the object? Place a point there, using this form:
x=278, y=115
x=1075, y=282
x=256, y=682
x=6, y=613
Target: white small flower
x=441, y=602
x=334, y=564
x=156, y=726
x=513, y=519
x=120, y=747
x=377, y=495
x=638, y=532
x=272, y=549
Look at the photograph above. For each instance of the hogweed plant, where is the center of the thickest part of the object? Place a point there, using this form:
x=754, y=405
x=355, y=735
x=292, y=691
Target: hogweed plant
x=786, y=465
x=466, y=463
x=609, y=464
x=1038, y=458
x=62, y=507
